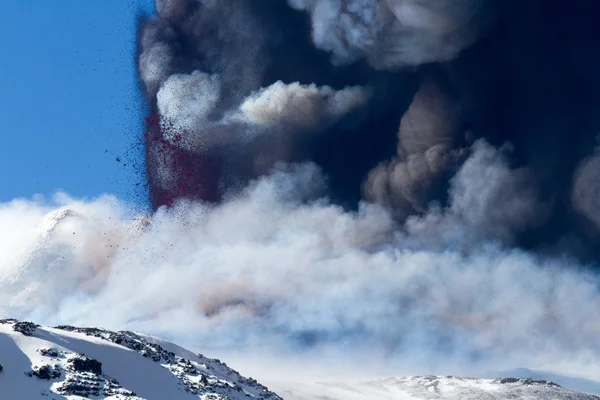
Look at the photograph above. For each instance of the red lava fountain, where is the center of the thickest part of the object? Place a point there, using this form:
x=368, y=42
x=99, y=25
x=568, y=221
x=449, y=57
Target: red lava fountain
x=190, y=175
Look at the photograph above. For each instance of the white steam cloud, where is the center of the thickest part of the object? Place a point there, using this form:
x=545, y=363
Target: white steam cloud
x=278, y=267
x=301, y=105
x=395, y=33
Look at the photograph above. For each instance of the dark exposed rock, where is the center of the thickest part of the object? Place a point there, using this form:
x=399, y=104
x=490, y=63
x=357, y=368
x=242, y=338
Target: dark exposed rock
x=527, y=381
x=26, y=328
x=76, y=388
x=45, y=372
x=90, y=383
x=81, y=363
x=52, y=353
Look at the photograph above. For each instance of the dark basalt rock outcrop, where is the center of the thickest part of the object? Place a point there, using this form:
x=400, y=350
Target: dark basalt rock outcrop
x=50, y=353
x=87, y=384
x=26, y=328
x=45, y=372
x=527, y=381
x=81, y=363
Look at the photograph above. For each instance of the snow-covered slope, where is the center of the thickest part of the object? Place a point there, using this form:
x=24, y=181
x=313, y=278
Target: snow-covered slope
x=432, y=387
x=570, y=382
x=78, y=363
x=88, y=363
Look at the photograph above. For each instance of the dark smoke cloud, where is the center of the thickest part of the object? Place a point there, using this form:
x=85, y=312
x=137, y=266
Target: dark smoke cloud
x=429, y=153
x=210, y=68
x=533, y=82
x=388, y=98
x=586, y=188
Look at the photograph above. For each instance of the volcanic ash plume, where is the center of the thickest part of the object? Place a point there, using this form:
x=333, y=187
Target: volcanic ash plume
x=411, y=181
x=386, y=97
x=586, y=190
x=237, y=86
x=428, y=154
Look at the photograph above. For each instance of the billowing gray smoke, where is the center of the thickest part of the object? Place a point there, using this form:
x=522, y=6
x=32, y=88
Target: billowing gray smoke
x=387, y=97
x=280, y=272
x=407, y=182
x=417, y=188
x=428, y=154
x=586, y=188
x=415, y=181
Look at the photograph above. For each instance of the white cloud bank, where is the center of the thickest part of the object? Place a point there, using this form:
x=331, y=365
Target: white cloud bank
x=279, y=269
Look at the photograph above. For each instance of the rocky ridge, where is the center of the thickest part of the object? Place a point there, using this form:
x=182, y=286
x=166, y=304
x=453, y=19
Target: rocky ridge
x=74, y=375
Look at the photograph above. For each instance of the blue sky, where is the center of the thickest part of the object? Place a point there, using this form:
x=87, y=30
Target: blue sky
x=69, y=100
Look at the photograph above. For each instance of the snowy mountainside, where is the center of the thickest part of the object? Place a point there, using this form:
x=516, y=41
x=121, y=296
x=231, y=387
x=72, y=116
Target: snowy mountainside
x=72, y=363
x=574, y=383
x=432, y=388
x=79, y=363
